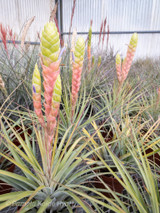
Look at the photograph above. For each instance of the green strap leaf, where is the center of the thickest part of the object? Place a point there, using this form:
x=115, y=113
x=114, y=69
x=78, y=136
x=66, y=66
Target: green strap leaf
x=14, y=197
x=44, y=205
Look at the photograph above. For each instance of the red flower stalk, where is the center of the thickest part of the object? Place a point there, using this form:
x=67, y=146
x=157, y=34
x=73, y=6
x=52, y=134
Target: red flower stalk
x=73, y=9
x=107, y=35
x=101, y=28
x=104, y=30
x=4, y=37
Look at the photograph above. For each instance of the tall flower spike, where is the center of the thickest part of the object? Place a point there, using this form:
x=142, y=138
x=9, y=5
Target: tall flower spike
x=89, y=48
x=77, y=70
x=36, y=83
x=130, y=54
x=93, y=60
x=56, y=99
x=74, y=35
x=118, y=68
x=50, y=49
x=99, y=61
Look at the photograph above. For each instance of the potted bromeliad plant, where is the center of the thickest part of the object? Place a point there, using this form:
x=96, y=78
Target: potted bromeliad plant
x=116, y=118
x=52, y=174
x=76, y=97
x=141, y=186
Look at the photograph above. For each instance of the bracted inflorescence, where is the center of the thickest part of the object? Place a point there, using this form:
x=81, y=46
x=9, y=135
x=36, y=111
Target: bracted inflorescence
x=118, y=68
x=50, y=49
x=74, y=35
x=130, y=54
x=99, y=61
x=50, y=57
x=56, y=99
x=76, y=70
x=36, y=83
x=122, y=71
x=93, y=61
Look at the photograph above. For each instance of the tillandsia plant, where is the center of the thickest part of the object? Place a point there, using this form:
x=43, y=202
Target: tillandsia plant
x=38, y=188
x=124, y=67
x=140, y=180
x=151, y=102
x=50, y=56
x=51, y=179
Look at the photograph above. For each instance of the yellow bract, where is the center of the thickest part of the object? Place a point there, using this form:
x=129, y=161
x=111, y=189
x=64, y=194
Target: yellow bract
x=50, y=43
x=79, y=50
x=56, y=97
x=134, y=40
x=118, y=59
x=36, y=79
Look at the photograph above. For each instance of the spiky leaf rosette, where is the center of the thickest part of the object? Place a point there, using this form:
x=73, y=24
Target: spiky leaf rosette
x=130, y=54
x=118, y=68
x=50, y=44
x=36, y=83
x=77, y=70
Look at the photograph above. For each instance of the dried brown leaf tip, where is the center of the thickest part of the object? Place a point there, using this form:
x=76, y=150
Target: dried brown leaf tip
x=25, y=30
x=53, y=12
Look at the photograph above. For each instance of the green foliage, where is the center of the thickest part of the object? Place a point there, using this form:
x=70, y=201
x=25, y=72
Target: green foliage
x=35, y=183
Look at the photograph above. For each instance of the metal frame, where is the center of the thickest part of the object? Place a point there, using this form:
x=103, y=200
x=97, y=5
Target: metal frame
x=85, y=33
x=117, y=32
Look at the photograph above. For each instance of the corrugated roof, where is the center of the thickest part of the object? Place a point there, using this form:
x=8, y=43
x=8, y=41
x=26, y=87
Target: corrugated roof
x=122, y=15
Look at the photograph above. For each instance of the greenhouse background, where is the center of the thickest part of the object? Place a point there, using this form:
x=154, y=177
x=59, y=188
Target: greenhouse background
x=80, y=116
x=123, y=17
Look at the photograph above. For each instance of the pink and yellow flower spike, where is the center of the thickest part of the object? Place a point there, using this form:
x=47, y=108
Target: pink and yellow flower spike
x=99, y=61
x=50, y=59
x=118, y=68
x=77, y=66
x=130, y=55
x=56, y=99
x=123, y=69
x=50, y=51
